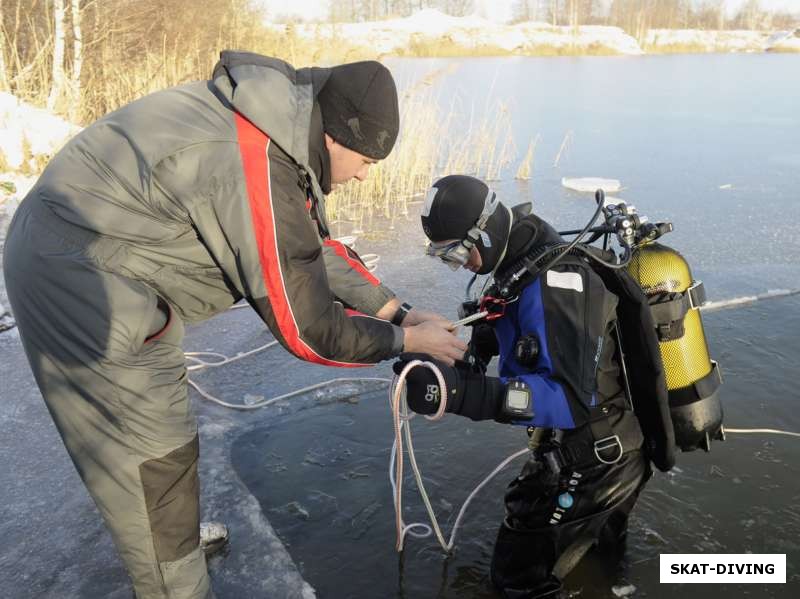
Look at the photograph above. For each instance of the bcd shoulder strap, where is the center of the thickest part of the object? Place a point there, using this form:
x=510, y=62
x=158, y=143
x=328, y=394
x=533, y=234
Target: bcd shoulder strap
x=639, y=345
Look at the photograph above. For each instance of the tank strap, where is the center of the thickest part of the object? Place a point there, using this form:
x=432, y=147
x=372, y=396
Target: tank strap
x=669, y=313
x=698, y=390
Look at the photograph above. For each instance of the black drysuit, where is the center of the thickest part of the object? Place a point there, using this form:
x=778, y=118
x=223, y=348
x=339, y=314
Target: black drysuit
x=566, y=497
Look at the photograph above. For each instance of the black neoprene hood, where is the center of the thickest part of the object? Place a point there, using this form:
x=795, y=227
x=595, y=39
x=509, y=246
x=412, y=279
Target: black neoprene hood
x=453, y=206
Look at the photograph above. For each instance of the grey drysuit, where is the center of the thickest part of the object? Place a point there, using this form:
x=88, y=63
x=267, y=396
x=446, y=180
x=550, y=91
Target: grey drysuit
x=171, y=209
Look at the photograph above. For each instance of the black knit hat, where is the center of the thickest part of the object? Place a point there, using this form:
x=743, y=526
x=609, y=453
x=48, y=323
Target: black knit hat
x=452, y=208
x=359, y=108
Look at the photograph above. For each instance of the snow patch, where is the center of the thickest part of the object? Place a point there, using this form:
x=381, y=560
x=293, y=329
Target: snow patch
x=27, y=132
x=623, y=590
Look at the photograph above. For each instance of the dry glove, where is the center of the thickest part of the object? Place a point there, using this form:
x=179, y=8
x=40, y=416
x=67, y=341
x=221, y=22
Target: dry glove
x=469, y=393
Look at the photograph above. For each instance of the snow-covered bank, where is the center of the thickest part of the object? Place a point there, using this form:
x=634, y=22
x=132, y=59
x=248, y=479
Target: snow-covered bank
x=29, y=136
x=693, y=40
x=784, y=41
x=13, y=187
x=430, y=32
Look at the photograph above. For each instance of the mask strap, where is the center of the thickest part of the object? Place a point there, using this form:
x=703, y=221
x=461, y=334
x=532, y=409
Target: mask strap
x=490, y=204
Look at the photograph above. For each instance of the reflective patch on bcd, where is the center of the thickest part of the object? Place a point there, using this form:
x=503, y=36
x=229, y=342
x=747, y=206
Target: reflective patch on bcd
x=485, y=239
x=565, y=280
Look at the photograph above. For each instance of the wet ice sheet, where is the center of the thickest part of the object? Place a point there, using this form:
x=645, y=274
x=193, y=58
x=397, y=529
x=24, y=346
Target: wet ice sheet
x=591, y=184
x=321, y=477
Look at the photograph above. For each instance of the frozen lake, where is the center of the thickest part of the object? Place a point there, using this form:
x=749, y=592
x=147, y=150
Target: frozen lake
x=708, y=142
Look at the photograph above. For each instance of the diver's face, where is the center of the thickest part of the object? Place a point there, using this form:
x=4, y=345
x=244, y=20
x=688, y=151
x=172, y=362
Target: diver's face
x=475, y=262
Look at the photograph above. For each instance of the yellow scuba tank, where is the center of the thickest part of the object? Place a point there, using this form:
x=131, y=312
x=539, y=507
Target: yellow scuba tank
x=693, y=379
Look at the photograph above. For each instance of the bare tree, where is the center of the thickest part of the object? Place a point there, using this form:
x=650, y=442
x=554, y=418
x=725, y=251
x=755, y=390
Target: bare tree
x=77, y=61
x=751, y=16
x=59, y=43
x=711, y=14
x=457, y=8
x=3, y=75
x=522, y=10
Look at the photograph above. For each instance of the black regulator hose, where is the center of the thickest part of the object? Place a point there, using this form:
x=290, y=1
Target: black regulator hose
x=529, y=265
x=626, y=258
x=599, y=197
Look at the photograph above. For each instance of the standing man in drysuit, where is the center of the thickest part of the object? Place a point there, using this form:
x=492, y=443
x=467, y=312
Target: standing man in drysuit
x=556, y=343
x=170, y=210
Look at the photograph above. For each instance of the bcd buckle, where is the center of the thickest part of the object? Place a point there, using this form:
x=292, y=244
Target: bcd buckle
x=495, y=306
x=608, y=443
x=697, y=295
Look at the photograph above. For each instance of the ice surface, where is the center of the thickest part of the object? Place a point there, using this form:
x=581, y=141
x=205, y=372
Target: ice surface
x=591, y=184
x=55, y=544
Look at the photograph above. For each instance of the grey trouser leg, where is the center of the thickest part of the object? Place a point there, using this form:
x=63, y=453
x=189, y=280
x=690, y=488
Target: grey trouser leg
x=119, y=401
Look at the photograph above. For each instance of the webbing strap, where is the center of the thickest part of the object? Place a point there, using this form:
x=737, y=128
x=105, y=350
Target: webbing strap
x=597, y=441
x=698, y=390
x=668, y=314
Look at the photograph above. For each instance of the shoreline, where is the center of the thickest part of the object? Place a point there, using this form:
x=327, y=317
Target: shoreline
x=432, y=34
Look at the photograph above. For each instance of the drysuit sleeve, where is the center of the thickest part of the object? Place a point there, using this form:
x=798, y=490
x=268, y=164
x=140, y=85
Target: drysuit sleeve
x=248, y=206
x=569, y=310
x=351, y=282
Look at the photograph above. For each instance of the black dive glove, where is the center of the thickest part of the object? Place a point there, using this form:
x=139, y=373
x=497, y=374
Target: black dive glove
x=469, y=393
x=483, y=344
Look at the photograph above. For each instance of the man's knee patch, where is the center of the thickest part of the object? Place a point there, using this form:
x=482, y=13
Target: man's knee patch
x=171, y=492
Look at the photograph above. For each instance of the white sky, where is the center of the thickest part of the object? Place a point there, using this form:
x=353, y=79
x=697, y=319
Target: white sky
x=781, y=5
x=318, y=9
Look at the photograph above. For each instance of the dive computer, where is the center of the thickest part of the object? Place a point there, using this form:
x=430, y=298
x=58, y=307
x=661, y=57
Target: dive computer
x=517, y=402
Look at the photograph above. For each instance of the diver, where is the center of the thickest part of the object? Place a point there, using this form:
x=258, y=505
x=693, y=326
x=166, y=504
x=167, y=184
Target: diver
x=560, y=375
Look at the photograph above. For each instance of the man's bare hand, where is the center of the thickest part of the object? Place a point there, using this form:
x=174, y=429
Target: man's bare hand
x=433, y=338
x=420, y=316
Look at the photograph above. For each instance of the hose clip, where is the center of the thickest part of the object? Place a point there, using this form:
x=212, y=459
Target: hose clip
x=495, y=306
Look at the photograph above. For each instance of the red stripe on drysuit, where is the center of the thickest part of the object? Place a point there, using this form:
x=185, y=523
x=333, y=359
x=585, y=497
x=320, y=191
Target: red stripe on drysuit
x=351, y=312
x=356, y=265
x=163, y=330
x=253, y=145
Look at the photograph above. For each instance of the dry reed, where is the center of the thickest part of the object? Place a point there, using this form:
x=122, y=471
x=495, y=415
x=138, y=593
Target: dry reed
x=526, y=166
x=564, y=147
x=430, y=144
x=130, y=50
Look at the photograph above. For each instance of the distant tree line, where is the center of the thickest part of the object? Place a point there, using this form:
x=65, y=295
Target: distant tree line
x=83, y=58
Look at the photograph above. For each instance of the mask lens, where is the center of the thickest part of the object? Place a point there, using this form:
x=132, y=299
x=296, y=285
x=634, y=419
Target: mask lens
x=454, y=254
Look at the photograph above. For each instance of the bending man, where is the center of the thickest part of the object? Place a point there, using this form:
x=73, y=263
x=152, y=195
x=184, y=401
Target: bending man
x=170, y=210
